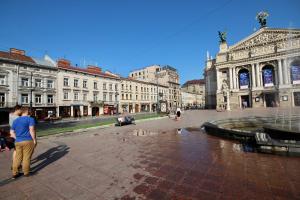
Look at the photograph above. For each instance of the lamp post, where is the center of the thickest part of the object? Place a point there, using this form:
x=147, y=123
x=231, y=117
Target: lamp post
x=117, y=102
x=157, y=95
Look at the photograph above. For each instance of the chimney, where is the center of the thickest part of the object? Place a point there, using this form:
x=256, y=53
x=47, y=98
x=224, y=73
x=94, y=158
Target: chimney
x=17, y=51
x=94, y=69
x=63, y=63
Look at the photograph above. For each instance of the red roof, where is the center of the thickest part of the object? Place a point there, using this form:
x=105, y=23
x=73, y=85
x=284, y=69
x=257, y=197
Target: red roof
x=195, y=82
x=93, y=70
x=15, y=56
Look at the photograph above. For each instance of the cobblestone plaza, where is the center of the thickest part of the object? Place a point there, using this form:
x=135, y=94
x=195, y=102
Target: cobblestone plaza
x=151, y=160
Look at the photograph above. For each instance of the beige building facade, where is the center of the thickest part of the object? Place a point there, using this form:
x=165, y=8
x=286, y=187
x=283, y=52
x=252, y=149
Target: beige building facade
x=140, y=96
x=262, y=70
x=193, y=93
x=86, y=92
x=163, y=75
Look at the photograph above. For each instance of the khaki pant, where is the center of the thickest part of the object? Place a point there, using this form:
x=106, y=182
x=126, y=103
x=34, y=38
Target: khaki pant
x=24, y=152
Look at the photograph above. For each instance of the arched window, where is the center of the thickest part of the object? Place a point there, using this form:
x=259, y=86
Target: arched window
x=295, y=72
x=244, y=81
x=268, y=76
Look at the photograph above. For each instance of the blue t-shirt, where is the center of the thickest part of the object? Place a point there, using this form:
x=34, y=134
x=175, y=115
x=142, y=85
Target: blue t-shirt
x=21, y=127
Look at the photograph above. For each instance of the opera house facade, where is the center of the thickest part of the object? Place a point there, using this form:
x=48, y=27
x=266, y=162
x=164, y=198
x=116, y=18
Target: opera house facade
x=262, y=70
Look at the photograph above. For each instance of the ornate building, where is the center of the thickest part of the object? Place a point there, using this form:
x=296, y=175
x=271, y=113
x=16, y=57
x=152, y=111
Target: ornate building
x=262, y=70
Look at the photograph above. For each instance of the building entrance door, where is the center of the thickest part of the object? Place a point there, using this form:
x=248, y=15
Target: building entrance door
x=245, y=102
x=270, y=99
x=297, y=98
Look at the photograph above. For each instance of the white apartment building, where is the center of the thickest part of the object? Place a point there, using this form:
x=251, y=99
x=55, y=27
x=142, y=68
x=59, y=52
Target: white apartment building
x=140, y=96
x=85, y=92
x=27, y=81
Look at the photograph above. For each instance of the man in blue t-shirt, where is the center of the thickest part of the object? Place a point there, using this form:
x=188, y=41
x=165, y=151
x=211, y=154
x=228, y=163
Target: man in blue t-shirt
x=23, y=130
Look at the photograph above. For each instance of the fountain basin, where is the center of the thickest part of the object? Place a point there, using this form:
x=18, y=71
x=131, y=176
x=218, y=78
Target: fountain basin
x=268, y=134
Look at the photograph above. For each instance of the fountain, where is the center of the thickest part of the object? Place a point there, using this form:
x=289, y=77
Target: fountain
x=280, y=133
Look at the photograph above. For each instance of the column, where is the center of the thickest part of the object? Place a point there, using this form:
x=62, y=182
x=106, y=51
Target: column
x=280, y=72
x=230, y=78
x=234, y=78
x=253, y=82
x=218, y=80
x=288, y=72
x=258, y=76
x=285, y=72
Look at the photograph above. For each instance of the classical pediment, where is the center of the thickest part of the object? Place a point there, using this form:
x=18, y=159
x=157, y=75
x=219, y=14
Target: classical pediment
x=266, y=36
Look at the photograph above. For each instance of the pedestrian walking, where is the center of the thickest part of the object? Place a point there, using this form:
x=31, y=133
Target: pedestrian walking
x=12, y=117
x=23, y=130
x=178, y=113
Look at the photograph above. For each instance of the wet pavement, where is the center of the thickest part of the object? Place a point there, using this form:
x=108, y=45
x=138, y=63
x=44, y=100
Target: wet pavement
x=152, y=160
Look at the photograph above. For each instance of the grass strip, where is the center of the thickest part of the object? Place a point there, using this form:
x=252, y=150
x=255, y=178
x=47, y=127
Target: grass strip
x=53, y=131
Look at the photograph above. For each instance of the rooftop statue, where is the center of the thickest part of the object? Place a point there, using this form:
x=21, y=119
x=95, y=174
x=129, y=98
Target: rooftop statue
x=262, y=18
x=222, y=36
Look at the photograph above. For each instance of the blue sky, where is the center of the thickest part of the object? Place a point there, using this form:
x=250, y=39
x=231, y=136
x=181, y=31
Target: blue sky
x=122, y=35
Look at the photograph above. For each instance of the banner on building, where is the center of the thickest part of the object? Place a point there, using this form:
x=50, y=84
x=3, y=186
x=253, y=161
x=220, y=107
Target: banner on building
x=296, y=74
x=244, y=80
x=268, y=77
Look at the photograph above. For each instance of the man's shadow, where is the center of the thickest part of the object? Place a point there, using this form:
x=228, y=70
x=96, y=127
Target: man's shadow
x=43, y=160
x=48, y=157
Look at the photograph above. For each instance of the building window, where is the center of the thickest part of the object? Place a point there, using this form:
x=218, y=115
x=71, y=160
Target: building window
x=295, y=72
x=104, y=96
x=116, y=87
x=122, y=86
x=49, y=83
x=104, y=86
x=24, y=98
x=38, y=83
x=110, y=97
x=76, y=96
x=24, y=82
x=95, y=86
x=2, y=80
x=66, y=82
x=116, y=97
x=75, y=82
x=38, y=99
x=66, y=95
x=130, y=97
x=136, y=88
x=95, y=97
x=84, y=84
x=122, y=96
x=50, y=99
x=136, y=97
x=126, y=96
x=84, y=97
x=110, y=87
